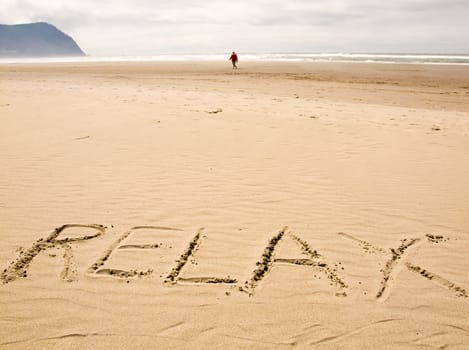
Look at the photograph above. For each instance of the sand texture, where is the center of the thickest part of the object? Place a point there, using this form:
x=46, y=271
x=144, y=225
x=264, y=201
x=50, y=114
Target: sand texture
x=283, y=205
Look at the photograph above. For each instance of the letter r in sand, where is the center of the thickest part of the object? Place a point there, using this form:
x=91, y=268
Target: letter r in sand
x=19, y=267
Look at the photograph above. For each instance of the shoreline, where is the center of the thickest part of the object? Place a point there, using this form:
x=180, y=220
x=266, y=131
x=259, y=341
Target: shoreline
x=419, y=86
x=386, y=58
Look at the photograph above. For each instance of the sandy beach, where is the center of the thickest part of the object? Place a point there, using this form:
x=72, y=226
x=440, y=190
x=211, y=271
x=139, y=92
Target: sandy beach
x=186, y=205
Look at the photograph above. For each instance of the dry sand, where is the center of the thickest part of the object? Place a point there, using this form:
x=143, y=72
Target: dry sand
x=309, y=205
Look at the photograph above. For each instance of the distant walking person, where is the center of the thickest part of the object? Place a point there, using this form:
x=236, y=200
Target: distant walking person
x=234, y=59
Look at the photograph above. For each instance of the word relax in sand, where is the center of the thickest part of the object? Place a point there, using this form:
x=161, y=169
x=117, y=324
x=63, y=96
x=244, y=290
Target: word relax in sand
x=396, y=256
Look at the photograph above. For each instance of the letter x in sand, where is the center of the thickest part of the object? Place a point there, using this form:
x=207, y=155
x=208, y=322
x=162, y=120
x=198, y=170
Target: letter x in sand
x=397, y=256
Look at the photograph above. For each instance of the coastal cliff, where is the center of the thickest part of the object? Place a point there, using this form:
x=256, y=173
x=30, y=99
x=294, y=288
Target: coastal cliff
x=36, y=40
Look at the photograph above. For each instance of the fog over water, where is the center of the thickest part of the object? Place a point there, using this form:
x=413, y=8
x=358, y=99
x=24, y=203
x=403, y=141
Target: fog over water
x=148, y=27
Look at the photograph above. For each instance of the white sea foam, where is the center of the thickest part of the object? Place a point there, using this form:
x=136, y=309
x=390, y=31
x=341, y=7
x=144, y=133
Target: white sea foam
x=320, y=57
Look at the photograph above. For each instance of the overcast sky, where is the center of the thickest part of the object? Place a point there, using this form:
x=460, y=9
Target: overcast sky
x=146, y=27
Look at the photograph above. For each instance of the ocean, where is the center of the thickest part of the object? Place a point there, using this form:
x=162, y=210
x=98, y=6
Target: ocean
x=286, y=57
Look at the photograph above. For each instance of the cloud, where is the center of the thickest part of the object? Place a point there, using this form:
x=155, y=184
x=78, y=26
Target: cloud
x=151, y=27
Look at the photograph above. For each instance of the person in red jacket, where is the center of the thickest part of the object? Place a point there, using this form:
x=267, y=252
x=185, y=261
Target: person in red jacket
x=234, y=59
